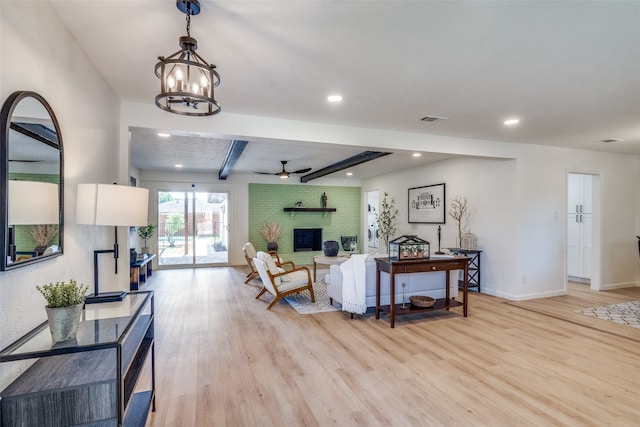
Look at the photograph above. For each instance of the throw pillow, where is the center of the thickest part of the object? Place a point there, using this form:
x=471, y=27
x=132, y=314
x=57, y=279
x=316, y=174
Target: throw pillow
x=271, y=265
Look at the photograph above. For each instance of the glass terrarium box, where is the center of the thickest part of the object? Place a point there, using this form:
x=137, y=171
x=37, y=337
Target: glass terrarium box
x=408, y=247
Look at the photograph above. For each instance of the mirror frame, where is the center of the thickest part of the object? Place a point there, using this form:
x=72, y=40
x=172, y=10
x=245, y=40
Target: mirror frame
x=5, y=124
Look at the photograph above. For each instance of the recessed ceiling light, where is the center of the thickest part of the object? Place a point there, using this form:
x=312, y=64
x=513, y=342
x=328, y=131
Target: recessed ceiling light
x=334, y=98
x=178, y=165
x=511, y=122
x=164, y=135
x=417, y=154
x=349, y=173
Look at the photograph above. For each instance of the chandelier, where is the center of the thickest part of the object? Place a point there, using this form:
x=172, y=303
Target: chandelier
x=186, y=80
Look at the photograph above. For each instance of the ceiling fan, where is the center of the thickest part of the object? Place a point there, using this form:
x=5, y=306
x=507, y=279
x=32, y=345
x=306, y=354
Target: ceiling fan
x=284, y=174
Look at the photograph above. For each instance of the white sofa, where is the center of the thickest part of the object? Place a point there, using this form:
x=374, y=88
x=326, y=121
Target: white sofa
x=431, y=284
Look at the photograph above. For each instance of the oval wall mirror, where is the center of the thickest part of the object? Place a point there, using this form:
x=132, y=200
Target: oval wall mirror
x=31, y=181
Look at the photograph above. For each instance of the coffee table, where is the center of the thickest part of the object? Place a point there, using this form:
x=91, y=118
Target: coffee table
x=327, y=260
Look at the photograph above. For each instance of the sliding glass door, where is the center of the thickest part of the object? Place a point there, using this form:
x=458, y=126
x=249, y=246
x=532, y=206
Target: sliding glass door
x=192, y=228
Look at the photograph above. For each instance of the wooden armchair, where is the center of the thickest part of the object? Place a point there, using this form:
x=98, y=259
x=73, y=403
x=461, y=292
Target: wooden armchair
x=280, y=282
x=249, y=252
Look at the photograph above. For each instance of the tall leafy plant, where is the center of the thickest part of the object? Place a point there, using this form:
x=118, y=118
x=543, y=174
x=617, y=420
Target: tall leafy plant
x=387, y=219
x=146, y=232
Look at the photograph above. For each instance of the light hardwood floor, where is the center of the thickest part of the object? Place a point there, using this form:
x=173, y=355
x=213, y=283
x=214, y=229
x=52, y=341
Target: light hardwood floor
x=223, y=360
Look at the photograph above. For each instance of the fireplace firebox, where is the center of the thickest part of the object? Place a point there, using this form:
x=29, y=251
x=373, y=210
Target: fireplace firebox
x=307, y=239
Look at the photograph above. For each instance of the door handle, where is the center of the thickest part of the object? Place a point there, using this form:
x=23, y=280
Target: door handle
x=577, y=219
x=227, y=227
x=580, y=218
x=577, y=208
x=581, y=208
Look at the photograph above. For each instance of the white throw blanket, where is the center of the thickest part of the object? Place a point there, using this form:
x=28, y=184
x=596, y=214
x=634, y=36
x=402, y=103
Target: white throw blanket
x=354, y=287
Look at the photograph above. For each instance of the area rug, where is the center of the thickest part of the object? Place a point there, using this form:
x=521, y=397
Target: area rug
x=301, y=301
x=626, y=313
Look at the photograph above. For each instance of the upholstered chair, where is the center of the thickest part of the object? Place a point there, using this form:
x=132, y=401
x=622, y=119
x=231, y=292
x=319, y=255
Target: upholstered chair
x=280, y=282
x=249, y=252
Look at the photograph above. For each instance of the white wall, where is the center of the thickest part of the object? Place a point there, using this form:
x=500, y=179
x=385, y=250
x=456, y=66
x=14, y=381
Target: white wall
x=519, y=215
x=38, y=54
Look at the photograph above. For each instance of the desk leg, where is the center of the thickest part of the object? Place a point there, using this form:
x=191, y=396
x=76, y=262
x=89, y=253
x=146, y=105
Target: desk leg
x=447, y=284
x=392, y=296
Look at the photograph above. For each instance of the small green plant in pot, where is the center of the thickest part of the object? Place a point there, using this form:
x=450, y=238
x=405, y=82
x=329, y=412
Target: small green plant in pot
x=64, y=307
x=145, y=233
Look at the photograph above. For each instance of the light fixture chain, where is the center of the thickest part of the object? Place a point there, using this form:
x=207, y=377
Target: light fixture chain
x=189, y=22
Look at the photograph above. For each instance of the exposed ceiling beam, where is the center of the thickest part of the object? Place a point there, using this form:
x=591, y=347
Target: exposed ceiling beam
x=233, y=154
x=363, y=157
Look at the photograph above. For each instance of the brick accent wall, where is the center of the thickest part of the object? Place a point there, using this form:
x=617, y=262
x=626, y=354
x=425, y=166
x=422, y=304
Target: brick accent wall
x=266, y=204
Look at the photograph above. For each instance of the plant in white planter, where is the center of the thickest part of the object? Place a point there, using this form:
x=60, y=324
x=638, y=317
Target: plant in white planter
x=146, y=232
x=64, y=307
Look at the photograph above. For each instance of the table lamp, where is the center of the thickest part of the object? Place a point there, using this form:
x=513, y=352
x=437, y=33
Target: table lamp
x=113, y=205
x=31, y=203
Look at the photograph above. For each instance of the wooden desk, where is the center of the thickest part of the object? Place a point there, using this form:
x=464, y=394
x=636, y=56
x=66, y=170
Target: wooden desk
x=418, y=266
x=139, y=271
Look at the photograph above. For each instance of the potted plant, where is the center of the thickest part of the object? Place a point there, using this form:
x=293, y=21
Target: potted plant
x=271, y=231
x=146, y=232
x=387, y=219
x=42, y=235
x=64, y=306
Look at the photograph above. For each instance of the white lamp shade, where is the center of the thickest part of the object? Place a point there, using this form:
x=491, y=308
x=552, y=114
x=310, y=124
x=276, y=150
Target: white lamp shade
x=119, y=205
x=33, y=203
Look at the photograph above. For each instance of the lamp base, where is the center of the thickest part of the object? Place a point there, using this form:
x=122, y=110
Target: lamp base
x=105, y=297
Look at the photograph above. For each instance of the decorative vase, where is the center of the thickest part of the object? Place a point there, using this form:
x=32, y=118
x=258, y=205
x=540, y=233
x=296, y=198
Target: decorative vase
x=272, y=246
x=64, y=321
x=330, y=248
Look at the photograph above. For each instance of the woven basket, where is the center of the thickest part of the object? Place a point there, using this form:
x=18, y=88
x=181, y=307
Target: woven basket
x=422, y=300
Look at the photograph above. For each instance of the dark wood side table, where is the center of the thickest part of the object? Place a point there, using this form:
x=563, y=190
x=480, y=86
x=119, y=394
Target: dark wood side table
x=474, y=266
x=418, y=266
x=139, y=271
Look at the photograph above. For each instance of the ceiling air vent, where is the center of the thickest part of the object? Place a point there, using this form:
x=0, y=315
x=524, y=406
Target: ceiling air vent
x=433, y=118
x=608, y=140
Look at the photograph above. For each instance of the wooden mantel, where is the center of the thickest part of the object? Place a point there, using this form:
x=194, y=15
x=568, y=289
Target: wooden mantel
x=325, y=211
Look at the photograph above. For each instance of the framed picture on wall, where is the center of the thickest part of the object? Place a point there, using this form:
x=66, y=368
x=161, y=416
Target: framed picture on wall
x=426, y=204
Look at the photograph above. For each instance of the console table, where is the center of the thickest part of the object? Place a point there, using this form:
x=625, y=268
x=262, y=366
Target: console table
x=104, y=377
x=417, y=266
x=139, y=271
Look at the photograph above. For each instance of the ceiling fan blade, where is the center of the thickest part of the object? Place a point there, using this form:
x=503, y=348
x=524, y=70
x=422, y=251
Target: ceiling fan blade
x=302, y=170
x=25, y=161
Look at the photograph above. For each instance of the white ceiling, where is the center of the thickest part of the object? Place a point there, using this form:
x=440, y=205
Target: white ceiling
x=570, y=70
